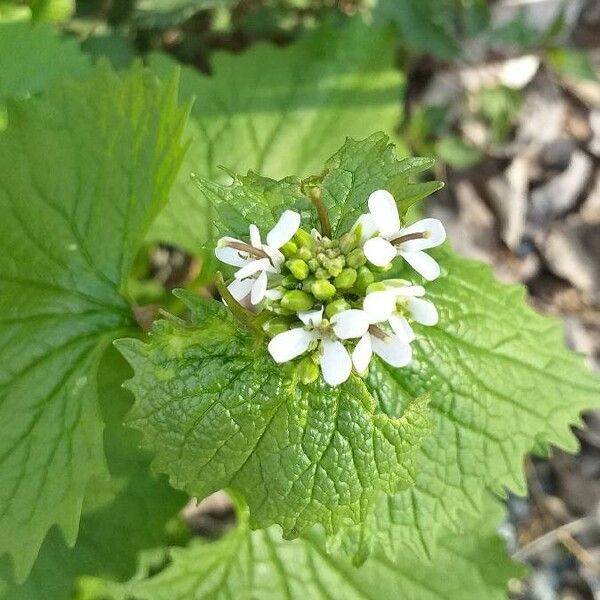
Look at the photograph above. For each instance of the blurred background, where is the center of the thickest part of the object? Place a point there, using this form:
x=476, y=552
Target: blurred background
x=504, y=94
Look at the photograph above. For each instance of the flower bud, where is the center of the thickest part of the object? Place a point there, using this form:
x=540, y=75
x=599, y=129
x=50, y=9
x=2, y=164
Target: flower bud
x=321, y=273
x=364, y=279
x=298, y=268
x=289, y=249
x=348, y=242
x=304, y=253
x=356, y=258
x=297, y=300
x=335, y=307
x=335, y=266
x=321, y=257
x=276, y=325
x=307, y=370
x=326, y=242
x=323, y=290
x=313, y=264
x=346, y=279
x=303, y=239
x=332, y=253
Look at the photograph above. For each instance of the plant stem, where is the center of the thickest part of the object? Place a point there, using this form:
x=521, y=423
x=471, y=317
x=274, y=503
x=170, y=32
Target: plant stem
x=315, y=197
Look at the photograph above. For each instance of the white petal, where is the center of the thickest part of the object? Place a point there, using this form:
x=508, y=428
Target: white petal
x=393, y=350
x=385, y=212
x=259, y=287
x=273, y=294
x=316, y=234
x=284, y=229
x=401, y=328
x=262, y=264
x=311, y=317
x=423, y=264
x=367, y=227
x=349, y=324
x=408, y=291
x=336, y=365
x=423, y=311
x=240, y=288
x=231, y=256
x=361, y=357
x=255, y=236
x=379, y=306
x=277, y=258
x=290, y=344
x=435, y=229
x=379, y=251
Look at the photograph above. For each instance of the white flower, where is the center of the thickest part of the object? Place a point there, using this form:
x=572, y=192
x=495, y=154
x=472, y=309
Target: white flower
x=381, y=306
x=336, y=364
x=257, y=260
x=393, y=240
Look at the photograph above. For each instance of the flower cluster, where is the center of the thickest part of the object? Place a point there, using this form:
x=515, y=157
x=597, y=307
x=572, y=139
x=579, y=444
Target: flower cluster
x=328, y=299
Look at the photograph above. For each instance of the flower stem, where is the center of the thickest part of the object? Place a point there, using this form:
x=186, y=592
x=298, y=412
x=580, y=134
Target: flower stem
x=246, y=317
x=314, y=193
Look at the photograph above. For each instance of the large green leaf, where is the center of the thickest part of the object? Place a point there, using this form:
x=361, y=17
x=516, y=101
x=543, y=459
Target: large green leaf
x=83, y=169
x=218, y=412
x=32, y=55
x=260, y=565
x=113, y=531
x=501, y=381
x=279, y=111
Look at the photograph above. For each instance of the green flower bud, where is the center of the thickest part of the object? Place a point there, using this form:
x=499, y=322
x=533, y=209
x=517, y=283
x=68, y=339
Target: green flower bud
x=335, y=266
x=356, y=258
x=323, y=290
x=364, y=279
x=321, y=273
x=298, y=268
x=284, y=312
x=297, y=300
x=276, y=325
x=335, y=307
x=332, y=253
x=326, y=242
x=289, y=249
x=348, y=242
x=305, y=253
x=307, y=370
x=303, y=239
x=346, y=279
x=321, y=257
x=307, y=284
x=378, y=286
x=313, y=264
x=289, y=282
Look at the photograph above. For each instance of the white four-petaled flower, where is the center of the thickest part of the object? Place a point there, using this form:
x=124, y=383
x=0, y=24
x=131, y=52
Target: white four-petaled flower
x=335, y=361
x=393, y=240
x=251, y=281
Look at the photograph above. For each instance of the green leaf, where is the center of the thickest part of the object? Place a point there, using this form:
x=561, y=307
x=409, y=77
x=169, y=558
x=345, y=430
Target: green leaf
x=425, y=25
x=162, y=14
x=573, y=63
x=260, y=565
x=218, y=412
x=83, y=169
x=54, y=11
x=33, y=55
x=279, y=111
x=113, y=532
x=501, y=381
x=455, y=152
x=361, y=167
